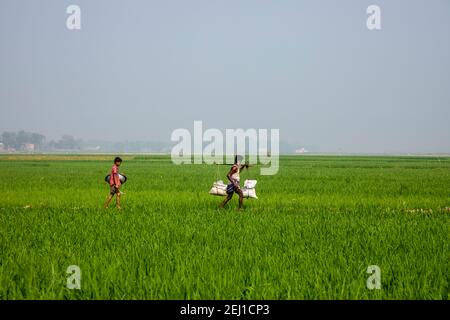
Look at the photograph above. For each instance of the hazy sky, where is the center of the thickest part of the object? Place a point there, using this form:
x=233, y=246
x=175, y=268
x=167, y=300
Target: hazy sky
x=140, y=69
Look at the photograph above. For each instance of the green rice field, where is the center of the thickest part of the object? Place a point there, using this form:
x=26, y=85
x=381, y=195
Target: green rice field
x=316, y=227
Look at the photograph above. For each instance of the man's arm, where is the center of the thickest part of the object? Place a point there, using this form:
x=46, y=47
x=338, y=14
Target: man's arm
x=116, y=178
x=244, y=166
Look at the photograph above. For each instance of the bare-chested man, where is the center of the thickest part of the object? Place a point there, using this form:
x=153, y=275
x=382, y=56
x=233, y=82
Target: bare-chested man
x=234, y=185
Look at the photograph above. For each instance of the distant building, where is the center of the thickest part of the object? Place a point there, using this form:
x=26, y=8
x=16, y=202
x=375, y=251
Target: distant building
x=28, y=147
x=2, y=147
x=301, y=151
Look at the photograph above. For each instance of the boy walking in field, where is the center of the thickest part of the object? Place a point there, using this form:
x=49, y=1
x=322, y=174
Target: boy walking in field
x=234, y=185
x=114, y=183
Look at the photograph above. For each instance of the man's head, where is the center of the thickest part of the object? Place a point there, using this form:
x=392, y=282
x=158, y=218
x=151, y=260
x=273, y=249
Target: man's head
x=117, y=161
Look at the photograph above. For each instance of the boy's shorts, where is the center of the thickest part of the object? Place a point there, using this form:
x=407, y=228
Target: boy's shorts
x=113, y=190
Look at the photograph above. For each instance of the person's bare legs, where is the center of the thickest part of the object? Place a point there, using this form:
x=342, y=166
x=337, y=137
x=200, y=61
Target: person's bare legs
x=241, y=199
x=228, y=198
x=108, y=200
x=118, y=200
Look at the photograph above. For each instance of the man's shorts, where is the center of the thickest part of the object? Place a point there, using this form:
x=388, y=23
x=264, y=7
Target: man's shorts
x=232, y=189
x=113, y=190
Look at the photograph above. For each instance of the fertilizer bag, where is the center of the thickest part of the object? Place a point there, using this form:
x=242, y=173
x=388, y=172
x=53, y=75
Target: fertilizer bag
x=249, y=189
x=218, y=189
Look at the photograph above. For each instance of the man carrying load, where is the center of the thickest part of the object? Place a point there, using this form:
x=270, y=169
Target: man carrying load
x=234, y=185
x=114, y=183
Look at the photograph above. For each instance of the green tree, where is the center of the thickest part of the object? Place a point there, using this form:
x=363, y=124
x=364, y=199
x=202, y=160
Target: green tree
x=38, y=140
x=9, y=139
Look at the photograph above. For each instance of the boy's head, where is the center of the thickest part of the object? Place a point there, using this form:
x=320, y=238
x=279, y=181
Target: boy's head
x=117, y=161
x=238, y=159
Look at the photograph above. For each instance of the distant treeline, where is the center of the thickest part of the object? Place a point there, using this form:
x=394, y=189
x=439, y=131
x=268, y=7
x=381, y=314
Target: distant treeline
x=18, y=140
x=23, y=141
x=36, y=142
x=32, y=141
